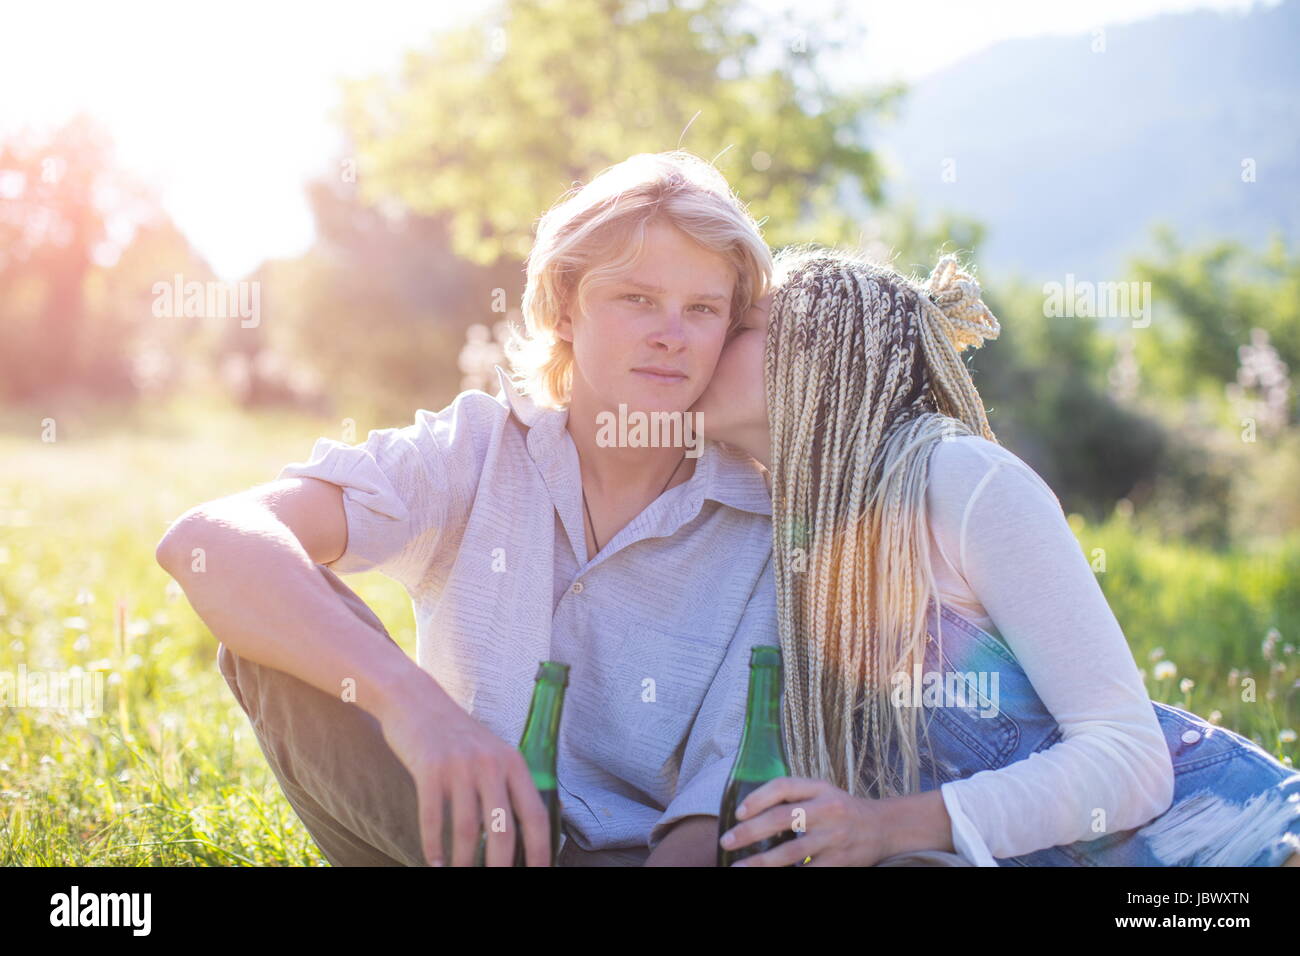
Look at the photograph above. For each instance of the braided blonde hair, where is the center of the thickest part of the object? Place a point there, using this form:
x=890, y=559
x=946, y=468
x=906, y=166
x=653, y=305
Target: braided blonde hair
x=864, y=376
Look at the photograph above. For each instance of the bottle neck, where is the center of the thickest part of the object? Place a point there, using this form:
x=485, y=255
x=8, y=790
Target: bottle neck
x=541, y=732
x=761, y=743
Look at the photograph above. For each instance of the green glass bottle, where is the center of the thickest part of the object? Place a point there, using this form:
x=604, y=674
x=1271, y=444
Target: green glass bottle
x=539, y=744
x=762, y=750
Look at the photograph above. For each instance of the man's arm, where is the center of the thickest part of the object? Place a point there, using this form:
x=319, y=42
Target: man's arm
x=247, y=564
x=693, y=841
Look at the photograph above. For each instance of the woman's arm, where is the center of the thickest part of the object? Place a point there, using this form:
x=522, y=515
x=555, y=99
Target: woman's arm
x=1013, y=547
x=1015, y=555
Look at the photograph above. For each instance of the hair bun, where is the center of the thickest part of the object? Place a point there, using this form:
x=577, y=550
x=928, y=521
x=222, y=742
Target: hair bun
x=967, y=320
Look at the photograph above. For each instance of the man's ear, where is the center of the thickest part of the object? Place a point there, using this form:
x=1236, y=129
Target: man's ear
x=564, y=328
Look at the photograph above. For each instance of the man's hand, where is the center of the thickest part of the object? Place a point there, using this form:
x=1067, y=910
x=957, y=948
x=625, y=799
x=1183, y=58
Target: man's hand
x=693, y=841
x=453, y=757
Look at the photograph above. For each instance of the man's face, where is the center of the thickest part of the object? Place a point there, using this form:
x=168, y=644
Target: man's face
x=651, y=337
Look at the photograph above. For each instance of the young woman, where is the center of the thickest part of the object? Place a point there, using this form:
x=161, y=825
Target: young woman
x=954, y=678
x=522, y=534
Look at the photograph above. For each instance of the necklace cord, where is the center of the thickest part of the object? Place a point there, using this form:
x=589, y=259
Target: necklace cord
x=587, y=507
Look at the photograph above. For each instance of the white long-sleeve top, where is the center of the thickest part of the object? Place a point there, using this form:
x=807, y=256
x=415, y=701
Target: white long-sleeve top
x=1005, y=558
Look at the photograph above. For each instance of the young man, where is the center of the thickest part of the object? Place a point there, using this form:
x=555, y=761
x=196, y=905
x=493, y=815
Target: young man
x=525, y=528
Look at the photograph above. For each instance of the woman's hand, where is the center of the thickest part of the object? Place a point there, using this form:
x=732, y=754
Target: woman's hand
x=836, y=828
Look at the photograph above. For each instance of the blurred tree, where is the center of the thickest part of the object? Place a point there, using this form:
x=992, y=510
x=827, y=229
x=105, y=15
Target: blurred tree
x=1044, y=385
x=67, y=211
x=494, y=123
x=1215, y=366
x=1207, y=301
x=379, y=305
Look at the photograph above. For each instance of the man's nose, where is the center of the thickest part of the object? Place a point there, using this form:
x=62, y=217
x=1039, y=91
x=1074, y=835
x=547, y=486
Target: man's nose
x=670, y=326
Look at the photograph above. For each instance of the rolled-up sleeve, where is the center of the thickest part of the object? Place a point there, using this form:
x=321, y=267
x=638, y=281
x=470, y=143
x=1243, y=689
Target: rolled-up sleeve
x=714, y=740
x=404, y=489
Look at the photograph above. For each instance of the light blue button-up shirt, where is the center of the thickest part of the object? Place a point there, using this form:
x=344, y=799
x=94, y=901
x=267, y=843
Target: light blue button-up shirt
x=477, y=510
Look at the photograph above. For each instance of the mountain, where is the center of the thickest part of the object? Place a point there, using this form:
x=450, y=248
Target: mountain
x=1069, y=156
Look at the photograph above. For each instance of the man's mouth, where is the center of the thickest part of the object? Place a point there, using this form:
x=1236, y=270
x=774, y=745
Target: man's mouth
x=664, y=376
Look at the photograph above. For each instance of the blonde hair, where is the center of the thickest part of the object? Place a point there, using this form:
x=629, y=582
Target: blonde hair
x=863, y=376
x=596, y=231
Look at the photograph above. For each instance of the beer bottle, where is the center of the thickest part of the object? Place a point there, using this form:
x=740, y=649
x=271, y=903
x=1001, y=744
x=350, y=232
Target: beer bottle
x=539, y=744
x=762, y=751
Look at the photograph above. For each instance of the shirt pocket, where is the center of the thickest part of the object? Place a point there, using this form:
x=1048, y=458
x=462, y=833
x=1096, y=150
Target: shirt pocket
x=661, y=681
x=973, y=730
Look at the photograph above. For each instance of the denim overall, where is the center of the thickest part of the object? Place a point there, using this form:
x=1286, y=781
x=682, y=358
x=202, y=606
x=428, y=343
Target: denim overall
x=1233, y=805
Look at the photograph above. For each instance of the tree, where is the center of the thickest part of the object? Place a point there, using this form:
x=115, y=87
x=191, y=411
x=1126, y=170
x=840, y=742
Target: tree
x=499, y=118
x=59, y=192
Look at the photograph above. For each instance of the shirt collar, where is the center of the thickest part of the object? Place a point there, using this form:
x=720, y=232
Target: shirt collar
x=722, y=473
x=523, y=406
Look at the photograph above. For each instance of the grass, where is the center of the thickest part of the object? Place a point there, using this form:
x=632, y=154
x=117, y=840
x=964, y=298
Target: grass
x=1228, y=623
x=171, y=774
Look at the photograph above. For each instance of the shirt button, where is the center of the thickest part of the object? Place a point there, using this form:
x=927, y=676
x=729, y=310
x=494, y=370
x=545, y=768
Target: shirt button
x=577, y=587
x=1191, y=736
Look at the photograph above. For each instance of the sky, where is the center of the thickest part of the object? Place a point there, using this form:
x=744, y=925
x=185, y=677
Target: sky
x=227, y=107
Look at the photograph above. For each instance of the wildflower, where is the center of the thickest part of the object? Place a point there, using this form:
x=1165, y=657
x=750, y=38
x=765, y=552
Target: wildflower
x=1270, y=642
x=1156, y=653
x=1165, y=670
x=1263, y=386
x=1286, y=736
x=1186, y=684
x=1215, y=717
